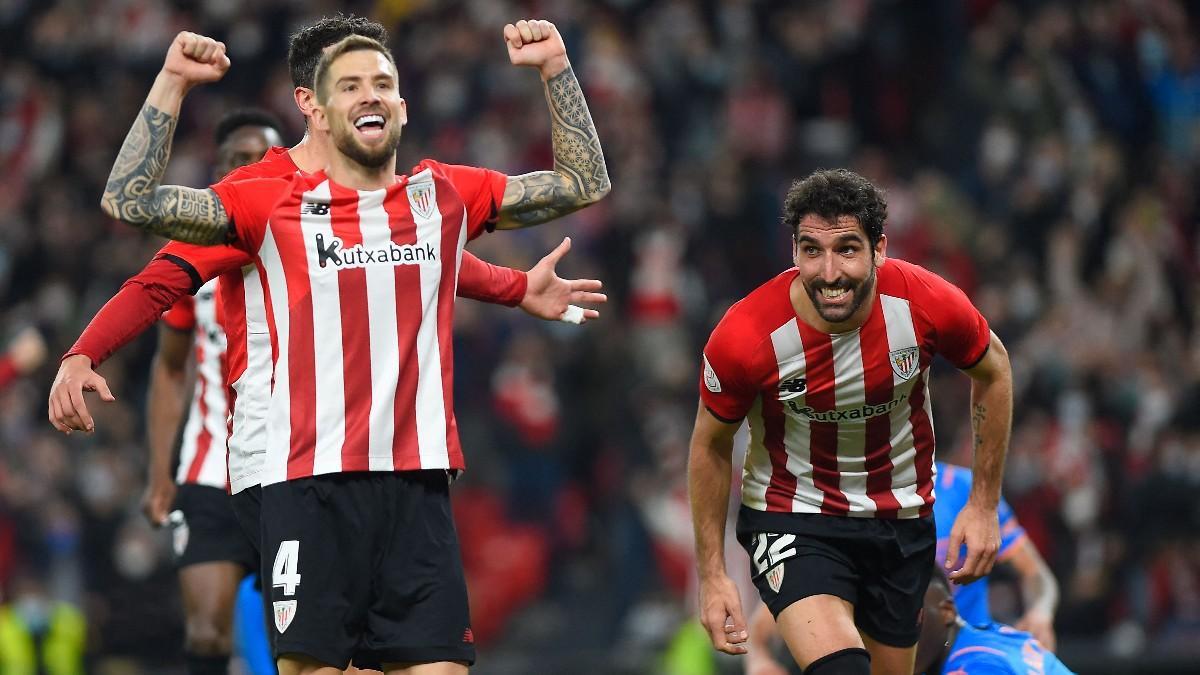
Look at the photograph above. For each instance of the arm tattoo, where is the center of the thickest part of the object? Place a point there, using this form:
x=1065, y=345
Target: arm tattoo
x=978, y=413
x=133, y=193
x=580, y=176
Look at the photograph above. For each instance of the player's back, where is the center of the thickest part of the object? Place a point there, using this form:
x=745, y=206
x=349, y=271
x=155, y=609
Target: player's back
x=996, y=649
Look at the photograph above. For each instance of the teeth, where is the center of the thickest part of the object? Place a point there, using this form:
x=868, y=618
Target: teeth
x=833, y=293
x=367, y=119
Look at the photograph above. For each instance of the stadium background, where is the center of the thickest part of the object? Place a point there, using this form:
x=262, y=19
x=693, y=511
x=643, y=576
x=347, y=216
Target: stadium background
x=1042, y=155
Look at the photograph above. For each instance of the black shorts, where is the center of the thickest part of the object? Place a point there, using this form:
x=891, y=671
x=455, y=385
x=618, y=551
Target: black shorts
x=881, y=567
x=365, y=567
x=247, y=508
x=208, y=532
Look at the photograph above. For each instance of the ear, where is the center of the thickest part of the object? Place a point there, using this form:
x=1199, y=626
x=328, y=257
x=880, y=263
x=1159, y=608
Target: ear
x=881, y=250
x=403, y=117
x=306, y=100
x=320, y=120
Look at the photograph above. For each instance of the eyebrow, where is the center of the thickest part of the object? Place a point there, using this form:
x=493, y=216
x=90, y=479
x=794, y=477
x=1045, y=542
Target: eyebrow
x=841, y=239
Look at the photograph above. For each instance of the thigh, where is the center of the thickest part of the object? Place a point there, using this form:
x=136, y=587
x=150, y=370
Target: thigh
x=247, y=510
x=788, y=567
x=315, y=567
x=208, y=530
x=209, y=590
x=817, y=626
x=901, y=558
x=419, y=613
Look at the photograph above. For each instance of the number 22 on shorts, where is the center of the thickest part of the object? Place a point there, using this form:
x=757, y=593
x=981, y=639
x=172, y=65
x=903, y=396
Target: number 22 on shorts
x=285, y=572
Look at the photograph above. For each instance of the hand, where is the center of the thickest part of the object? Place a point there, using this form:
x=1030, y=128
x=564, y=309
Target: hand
x=979, y=528
x=157, y=500
x=195, y=59
x=68, y=410
x=536, y=43
x=721, y=614
x=547, y=294
x=27, y=350
x=1041, y=626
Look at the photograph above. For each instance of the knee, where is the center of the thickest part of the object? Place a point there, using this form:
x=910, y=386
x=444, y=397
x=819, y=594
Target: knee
x=208, y=637
x=853, y=661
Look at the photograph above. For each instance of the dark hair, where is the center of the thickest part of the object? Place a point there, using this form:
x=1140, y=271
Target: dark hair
x=353, y=43
x=306, y=45
x=831, y=193
x=939, y=578
x=245, y=117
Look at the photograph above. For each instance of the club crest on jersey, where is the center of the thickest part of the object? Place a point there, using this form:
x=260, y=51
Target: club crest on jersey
x=775, y=577
x=710, y=377
x=905, y=361
x=421, y=198
x=285, y=611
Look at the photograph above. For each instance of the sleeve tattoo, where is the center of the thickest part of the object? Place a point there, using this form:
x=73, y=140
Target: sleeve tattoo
x=133, y=193
x=580, y=176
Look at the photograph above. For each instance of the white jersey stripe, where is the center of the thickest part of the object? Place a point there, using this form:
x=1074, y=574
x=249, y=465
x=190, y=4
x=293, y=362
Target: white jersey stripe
x=385, y=357
x=327, y=340
x=279, y=415
x=850, y=392
x=431, y=407
x=248, y=443
x=902, y=334
x=790, y=359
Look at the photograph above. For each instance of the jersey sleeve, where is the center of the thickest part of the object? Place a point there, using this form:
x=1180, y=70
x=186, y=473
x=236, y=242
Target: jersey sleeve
x=182, y=315
x=204, y=263
x=482, y=191
x=249, y=204
x=725, y=387
x=139, y=303
x=1011, y=532
x=481, y=280
x=961, y=332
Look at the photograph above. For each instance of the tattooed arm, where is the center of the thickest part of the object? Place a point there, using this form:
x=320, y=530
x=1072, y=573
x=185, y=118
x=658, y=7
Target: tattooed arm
x=133, y=193
x=580, y=176
x=977, y=524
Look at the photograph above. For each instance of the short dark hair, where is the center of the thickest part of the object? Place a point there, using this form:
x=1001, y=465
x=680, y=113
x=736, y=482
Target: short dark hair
x=307, y=44
x=353, y=43
x=245, y=117
x=832, y=193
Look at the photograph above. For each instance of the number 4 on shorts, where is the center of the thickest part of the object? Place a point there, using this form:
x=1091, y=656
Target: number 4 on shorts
x=286, y=570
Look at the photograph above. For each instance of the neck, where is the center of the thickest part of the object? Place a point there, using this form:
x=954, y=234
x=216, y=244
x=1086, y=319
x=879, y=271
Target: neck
x=345, y=171
x=311, y=153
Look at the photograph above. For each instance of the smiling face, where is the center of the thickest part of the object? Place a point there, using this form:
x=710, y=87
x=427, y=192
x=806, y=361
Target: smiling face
x=360, y=107
x=837, y=268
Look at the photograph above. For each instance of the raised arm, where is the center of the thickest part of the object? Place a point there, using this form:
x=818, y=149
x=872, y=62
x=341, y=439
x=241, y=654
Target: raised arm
x=133, y=193
x=580, y=176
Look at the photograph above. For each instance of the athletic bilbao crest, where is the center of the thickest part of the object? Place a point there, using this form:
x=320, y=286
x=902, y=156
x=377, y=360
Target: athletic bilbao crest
x=775, y=577
x=285, y=611
x=421, y=199
x=710, y=377
x=905, y=361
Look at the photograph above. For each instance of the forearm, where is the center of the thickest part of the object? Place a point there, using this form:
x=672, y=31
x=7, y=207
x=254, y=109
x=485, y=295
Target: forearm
x=483, y=281
x=991, y=424
x=1039, y=588
x=580, y=175
x=133, y=192
x=164, y=413
x=136, y=307
x=710, y=467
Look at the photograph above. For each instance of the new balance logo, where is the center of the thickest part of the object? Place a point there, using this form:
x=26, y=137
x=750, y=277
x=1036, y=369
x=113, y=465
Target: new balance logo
x=360, y=256
x=796, y=385
x=314, y=209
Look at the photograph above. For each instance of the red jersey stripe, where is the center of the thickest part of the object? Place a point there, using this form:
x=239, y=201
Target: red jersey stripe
x=823, y=436
x=877, y=374
x=356, y=364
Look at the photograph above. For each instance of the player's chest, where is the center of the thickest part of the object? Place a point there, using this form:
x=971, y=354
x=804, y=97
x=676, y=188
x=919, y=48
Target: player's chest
x=844, y=379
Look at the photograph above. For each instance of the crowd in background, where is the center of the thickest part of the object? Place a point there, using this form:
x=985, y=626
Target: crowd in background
x=1044, y=156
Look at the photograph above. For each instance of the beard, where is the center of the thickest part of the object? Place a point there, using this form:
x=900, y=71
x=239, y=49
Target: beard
x=839, y=314
x=370, y=157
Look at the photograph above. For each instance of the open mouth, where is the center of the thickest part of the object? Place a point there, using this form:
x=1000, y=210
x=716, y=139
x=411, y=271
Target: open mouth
x=370, y=125
x=834, y=295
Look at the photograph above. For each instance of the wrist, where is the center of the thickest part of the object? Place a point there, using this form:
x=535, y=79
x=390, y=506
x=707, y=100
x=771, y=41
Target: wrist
x=78, y=358
x=553, y=67
x=170, y=85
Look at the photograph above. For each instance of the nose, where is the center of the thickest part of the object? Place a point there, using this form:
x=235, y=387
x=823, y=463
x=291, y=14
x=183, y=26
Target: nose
x=830, y=272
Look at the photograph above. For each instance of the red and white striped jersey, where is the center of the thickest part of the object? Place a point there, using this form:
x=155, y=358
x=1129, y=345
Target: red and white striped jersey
x=358, y=289
x=202, y=447
x=840, y=424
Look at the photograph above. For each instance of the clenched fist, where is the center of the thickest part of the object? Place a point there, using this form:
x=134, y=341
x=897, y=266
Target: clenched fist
x=195, y=59
x=536, y=43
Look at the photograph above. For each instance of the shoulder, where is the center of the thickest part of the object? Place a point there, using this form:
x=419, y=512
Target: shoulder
x=752, y=319
x=912, y=282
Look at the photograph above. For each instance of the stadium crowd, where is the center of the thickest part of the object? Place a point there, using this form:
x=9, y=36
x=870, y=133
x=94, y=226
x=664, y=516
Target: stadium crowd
x=1044, y=156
